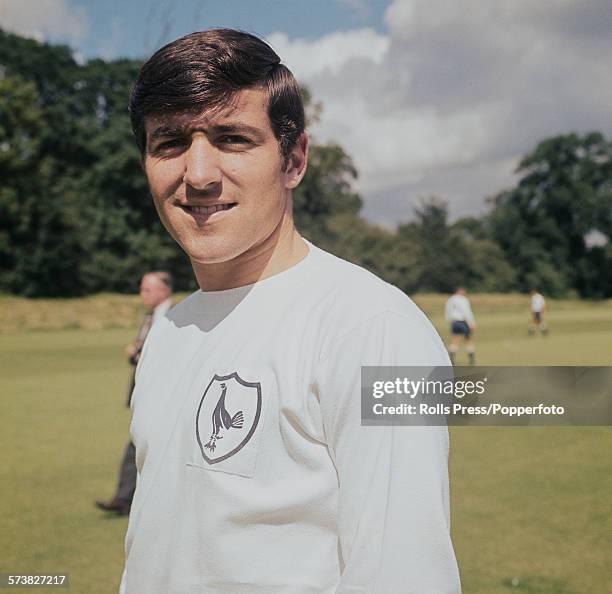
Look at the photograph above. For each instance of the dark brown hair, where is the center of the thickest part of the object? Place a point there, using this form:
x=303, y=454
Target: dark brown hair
x=205, y=70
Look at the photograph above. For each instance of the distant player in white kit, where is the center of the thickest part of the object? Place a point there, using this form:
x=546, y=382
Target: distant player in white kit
x=458, y=312
x=538, y=309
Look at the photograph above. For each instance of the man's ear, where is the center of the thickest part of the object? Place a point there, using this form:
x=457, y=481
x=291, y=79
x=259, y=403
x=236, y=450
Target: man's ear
x=297, y=162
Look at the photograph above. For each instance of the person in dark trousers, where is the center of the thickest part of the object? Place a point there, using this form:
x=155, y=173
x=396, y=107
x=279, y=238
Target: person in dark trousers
x=156, y=295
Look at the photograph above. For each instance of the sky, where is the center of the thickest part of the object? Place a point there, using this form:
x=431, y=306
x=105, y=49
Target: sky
x=429, y=97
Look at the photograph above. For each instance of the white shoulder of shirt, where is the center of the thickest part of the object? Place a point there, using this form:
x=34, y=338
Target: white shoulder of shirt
x=358, y=292
x=343, y=295
x=352, y=297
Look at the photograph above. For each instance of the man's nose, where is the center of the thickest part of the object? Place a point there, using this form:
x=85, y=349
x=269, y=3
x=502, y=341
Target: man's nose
x=201, y=164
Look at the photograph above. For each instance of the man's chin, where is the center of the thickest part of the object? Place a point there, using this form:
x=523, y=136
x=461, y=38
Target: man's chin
x=215, y=255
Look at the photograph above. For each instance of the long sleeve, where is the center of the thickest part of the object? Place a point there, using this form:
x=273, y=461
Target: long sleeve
x=393, y=506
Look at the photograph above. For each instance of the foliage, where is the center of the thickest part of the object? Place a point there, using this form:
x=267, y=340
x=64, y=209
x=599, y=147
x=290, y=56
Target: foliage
x=455, y=255
x=383, y=252
x=325, y=191
x=564, y=194
x=32, y=212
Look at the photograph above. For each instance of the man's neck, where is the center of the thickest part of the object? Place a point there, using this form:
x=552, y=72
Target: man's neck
x=281, y=250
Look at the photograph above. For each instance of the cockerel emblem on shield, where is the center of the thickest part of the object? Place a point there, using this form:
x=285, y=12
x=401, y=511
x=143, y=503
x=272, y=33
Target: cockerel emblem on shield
x=223, y=421
x=227, y=417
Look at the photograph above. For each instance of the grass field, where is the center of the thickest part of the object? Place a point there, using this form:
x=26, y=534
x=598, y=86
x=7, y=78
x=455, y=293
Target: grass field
x=533, y=505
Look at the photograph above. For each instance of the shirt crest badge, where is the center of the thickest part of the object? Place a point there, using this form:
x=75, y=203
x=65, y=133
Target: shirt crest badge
x=227, y=416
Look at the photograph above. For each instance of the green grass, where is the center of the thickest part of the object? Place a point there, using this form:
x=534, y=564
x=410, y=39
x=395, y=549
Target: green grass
x=528, y=504
x=62, y=431
x=580, y=332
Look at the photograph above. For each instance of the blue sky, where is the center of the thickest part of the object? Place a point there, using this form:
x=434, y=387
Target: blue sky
x=429, y=97
x=134, y=28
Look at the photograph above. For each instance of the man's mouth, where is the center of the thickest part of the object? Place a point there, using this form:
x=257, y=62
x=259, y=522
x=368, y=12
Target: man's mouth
x=207, y=210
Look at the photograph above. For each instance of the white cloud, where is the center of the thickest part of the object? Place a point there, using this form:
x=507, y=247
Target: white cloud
x=330, y=53
x=44, y=19
x=456, y=92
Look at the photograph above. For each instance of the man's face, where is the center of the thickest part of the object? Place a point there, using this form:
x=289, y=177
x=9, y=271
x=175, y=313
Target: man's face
x=217, y=178
x=153, y=291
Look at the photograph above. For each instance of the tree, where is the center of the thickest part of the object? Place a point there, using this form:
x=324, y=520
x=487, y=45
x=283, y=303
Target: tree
x=461, y=254
x=441, y=254
x=383, y=252
x=488, y=270
x=325, y=191
x=32, y=213
x=564, y=193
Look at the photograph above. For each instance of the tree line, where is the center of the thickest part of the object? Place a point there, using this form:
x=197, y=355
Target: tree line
x=76, y=217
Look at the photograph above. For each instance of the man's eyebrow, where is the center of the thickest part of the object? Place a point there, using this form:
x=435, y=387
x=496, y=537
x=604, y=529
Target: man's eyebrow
x=166, y=131
x=238, y=129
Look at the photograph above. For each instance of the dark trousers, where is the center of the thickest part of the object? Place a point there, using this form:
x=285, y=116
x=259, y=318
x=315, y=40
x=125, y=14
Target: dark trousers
x=127, y=471
x=127, y=475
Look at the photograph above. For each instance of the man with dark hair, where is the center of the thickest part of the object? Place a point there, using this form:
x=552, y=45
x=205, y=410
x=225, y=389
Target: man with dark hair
x=156, y=295
x=255, y=474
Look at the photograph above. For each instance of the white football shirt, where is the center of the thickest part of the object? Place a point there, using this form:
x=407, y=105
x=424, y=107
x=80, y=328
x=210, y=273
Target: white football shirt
x=255, y=474
x=537, y=303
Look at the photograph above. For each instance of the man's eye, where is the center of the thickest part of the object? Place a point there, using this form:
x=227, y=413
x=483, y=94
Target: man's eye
x=234, y=139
